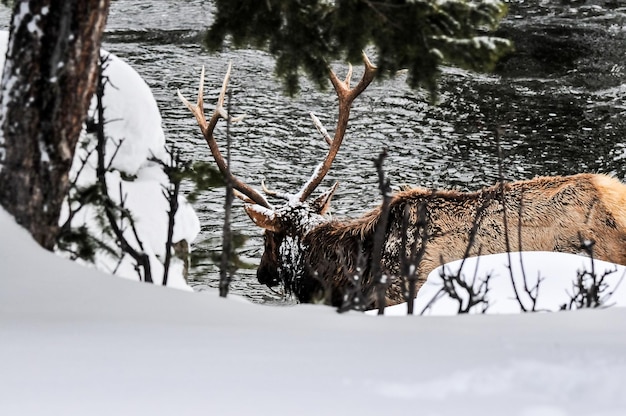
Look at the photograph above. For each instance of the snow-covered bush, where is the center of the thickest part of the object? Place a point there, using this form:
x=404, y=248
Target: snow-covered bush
x=136, y=181
x=135, y=155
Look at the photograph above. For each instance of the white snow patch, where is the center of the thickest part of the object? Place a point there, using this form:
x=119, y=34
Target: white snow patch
x=132, y=117
x=33, y=26
x=558, y=271
x=24, y=10
x=45, y=157
x=4, y=43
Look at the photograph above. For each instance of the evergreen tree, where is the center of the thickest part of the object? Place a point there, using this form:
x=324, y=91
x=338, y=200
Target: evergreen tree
x=418, y=35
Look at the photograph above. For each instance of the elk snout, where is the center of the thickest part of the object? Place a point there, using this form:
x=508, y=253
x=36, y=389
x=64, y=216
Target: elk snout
x=267, y=273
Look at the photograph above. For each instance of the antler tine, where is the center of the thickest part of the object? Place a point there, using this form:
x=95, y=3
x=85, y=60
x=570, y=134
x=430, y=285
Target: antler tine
x=219, y=108
x=220, y=111
x=220, y=99
x=349, y=75
x=244, y=198
x=346, y=96
x=198, y=109
x=321, y=129
x=273, y=193
x=207, y=129
x=266, y=190
x=343, y=88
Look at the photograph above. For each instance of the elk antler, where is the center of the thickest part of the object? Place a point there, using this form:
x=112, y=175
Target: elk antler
x=274, y=193
x=207, y=131
x=346, y=96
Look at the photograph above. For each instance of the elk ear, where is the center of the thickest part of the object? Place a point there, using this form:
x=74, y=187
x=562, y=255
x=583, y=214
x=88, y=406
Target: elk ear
x=263, y=217
x=322, y=202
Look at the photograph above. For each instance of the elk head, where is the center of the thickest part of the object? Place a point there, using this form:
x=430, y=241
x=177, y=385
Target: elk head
x=285, y=227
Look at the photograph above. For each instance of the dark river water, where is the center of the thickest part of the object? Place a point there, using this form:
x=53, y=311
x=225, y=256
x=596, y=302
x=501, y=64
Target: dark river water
x=560, y=100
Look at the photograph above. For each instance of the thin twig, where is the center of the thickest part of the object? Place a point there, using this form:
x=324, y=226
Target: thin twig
x=505, y=219
x=225, y=274
x=171, y=194
x=381, y=280
x=141, y=258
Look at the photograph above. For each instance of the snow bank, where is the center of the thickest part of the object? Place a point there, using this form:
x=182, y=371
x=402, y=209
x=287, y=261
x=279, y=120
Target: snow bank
x=79, y=342
x=558, y=272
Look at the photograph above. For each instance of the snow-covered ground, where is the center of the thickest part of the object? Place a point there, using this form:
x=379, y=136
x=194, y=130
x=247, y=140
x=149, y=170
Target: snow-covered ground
x=74, y=341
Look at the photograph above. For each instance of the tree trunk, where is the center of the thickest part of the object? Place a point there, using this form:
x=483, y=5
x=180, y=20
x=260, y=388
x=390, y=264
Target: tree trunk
x=48, y=81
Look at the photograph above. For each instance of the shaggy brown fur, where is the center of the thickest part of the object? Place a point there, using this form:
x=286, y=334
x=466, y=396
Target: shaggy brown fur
x=555, y=211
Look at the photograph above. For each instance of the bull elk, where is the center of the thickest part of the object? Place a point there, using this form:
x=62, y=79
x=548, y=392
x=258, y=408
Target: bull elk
x=315, y=257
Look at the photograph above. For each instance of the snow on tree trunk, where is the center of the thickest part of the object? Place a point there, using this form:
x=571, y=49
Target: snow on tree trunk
x=48, y=81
